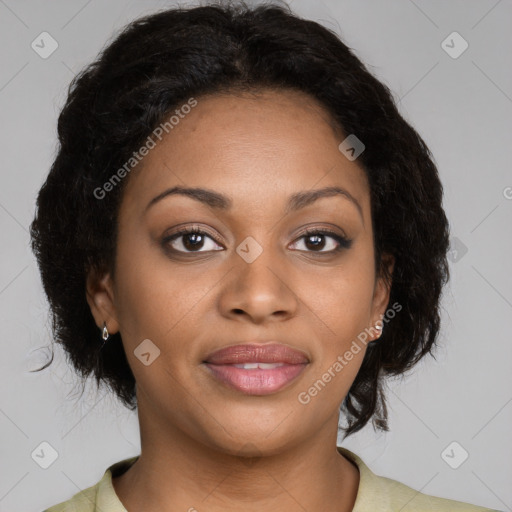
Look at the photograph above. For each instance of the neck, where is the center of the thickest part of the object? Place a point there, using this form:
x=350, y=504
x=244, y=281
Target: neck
x=176, y=472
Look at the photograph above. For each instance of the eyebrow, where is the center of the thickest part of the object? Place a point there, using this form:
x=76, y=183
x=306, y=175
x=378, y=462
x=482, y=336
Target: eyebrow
x=219, y=201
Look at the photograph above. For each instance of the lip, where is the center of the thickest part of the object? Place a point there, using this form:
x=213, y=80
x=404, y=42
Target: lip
x=270, y=352
x=289, y=364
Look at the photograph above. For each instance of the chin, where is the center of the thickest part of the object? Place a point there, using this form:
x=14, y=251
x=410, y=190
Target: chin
x=254, y=437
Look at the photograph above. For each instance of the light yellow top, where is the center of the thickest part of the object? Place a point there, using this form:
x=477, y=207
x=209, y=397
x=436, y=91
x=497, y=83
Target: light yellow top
x=375, y=494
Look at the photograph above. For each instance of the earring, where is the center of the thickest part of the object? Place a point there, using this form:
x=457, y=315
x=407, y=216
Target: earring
x=105, y=335
x=379, y=328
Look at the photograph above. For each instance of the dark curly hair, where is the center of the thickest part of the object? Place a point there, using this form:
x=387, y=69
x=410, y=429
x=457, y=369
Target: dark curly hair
x=154, y=65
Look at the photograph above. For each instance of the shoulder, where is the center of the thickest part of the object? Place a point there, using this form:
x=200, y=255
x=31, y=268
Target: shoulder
x=100, y=496
x=381, y=494
x=84, y=501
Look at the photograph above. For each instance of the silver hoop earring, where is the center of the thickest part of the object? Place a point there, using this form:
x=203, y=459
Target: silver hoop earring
x=105, y=335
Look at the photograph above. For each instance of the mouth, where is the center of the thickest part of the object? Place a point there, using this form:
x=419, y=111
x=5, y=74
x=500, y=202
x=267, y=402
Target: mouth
x=256, y=369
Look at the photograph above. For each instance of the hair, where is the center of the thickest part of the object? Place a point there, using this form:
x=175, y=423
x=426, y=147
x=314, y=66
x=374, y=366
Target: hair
x=155, y=64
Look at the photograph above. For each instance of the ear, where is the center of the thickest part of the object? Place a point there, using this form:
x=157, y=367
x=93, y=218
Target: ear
x=100, y=297
x=382, y=289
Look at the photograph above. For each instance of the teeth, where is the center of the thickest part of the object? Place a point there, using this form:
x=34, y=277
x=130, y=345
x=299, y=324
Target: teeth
x=247, y=366
x=269, y=366
x=261, y=366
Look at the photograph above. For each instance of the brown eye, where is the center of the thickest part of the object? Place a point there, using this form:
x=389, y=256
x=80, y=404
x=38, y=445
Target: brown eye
x=322, y=241
x=191, y=240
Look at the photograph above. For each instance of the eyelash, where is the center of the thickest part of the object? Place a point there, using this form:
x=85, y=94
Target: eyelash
x=343, y=242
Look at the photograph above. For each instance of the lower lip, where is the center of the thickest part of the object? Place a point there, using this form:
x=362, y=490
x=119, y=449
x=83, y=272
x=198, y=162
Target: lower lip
x=256, y=381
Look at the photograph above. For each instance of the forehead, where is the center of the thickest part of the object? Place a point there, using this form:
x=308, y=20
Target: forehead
x=256, y=147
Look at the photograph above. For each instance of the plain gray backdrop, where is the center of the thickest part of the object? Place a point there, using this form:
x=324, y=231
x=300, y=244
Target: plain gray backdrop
x=458, y=98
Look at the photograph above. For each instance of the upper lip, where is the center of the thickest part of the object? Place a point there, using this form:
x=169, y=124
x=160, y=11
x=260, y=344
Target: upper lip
x=270, y=352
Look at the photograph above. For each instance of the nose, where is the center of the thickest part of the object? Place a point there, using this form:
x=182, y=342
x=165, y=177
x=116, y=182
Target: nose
x=259, y=292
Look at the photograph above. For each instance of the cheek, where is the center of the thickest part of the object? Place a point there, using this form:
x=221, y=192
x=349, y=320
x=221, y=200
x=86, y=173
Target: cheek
x=342, y=296
x=154, y=298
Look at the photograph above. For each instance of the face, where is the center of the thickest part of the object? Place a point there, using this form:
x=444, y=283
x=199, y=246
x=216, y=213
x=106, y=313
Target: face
x=270, y=262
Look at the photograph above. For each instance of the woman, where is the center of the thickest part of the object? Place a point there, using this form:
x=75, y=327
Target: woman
x=239, y=234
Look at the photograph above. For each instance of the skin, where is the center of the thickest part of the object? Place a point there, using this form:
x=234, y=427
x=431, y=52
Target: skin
x=205, y=446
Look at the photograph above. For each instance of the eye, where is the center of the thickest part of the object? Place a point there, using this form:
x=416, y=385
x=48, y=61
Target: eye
x=189, y=240
x=315, y=241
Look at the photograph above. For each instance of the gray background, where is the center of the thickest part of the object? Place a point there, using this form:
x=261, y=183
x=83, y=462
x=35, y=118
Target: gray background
x=461, y=106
